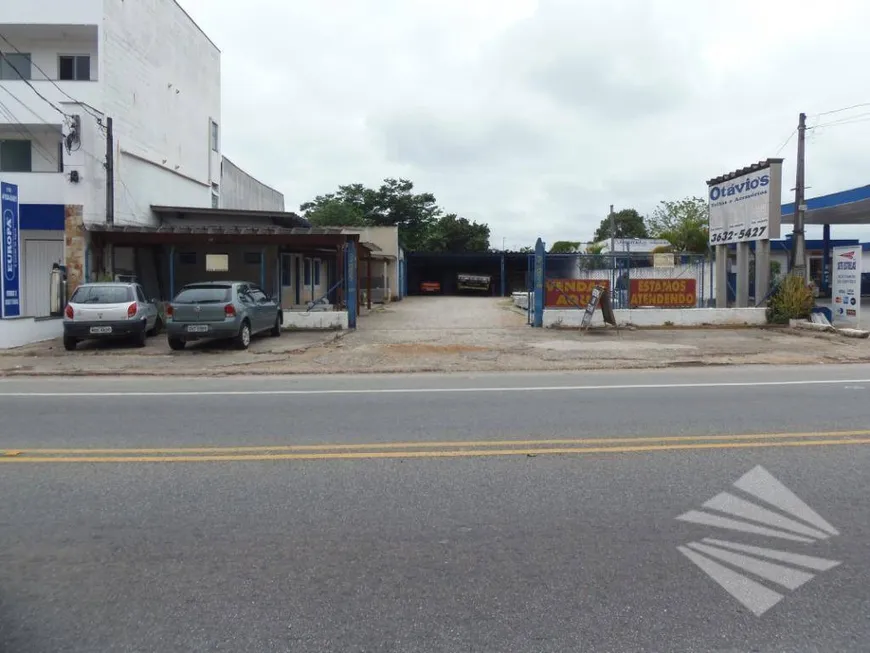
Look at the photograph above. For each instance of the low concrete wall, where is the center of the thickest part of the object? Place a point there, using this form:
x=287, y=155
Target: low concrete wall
x=315, y=320
x=684, y=317
x=521, y=299
x=19, y=331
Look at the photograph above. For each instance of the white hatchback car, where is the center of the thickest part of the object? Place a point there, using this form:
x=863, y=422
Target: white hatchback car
x=109, y=310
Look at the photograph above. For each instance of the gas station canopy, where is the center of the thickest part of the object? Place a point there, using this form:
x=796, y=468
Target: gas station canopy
x=844, y=207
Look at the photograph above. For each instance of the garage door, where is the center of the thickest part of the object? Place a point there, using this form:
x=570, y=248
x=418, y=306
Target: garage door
x=39, y=256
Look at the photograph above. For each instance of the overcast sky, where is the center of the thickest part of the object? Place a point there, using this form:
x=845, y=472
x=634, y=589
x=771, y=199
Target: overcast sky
x=535, y=115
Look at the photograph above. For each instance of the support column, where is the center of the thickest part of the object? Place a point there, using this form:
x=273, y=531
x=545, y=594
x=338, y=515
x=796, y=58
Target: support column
x=503, y=280
x=75, y=250
x=351, y=275
x=742, y=275
x=826, y=257
x=263, y=269
x=721, y=276
x=171, y=272
x=369, y=282
x=540, y=260
x=762, y=270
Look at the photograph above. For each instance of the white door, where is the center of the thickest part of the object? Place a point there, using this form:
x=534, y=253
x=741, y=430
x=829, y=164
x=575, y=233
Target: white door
x=39, y=256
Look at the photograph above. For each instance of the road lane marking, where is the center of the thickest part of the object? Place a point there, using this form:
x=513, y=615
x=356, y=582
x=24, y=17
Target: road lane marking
x=388, y=391
x=470, y=453
x=442, y=444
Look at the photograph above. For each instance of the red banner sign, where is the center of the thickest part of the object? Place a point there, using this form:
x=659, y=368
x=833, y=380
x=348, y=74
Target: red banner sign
x=570, y=293
x=663, y=293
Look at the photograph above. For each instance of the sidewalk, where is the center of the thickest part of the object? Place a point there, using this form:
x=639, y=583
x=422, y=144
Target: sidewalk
x=386, y=344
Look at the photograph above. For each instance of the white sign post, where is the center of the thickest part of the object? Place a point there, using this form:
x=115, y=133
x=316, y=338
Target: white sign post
x=846, y=287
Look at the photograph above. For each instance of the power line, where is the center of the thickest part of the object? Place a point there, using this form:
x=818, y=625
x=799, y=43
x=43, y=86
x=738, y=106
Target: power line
x=84, y=106
x=860, y=117
x=32, y=87
x=23, y=131
x=786, y=142
x=854, y=106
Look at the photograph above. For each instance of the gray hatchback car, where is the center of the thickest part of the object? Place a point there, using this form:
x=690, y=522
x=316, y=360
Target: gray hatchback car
x=221, y=310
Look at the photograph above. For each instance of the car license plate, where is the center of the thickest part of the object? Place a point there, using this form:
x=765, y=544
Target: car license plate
x=197, y=328
x=98, y=330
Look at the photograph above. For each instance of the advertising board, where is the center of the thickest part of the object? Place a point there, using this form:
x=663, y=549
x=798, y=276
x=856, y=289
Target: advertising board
x=746, y=207
x=846, y=286
x=571, y=293
x=10, y=251
x=663, y=293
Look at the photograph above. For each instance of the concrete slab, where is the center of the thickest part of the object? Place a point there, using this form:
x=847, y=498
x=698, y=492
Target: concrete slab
x=442, y=312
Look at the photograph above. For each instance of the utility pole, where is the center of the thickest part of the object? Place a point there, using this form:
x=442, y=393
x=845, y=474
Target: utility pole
x=612, y=230
x=798, y=246
x=110, y=173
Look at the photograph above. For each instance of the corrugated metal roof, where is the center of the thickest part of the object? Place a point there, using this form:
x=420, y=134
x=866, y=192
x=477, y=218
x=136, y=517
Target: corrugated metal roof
x=215, y=229
x=761, y=165
x=285, y=218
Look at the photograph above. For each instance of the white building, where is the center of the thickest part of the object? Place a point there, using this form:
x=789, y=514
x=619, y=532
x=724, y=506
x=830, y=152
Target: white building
x=66, y=68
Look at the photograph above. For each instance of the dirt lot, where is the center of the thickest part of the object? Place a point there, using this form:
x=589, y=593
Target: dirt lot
x=444, y=334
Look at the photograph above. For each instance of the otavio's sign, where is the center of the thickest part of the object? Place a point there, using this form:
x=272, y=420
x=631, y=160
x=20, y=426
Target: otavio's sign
x=663, y=293
x=10, y=257
x=746, y=207
x=846, y=286
x=571, y=293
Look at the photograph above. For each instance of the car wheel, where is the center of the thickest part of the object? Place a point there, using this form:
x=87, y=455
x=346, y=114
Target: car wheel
x=141, y=338
x=156, y=329
x=276, y=328
x=176, y=344
x=243, y=340
x=70, y=343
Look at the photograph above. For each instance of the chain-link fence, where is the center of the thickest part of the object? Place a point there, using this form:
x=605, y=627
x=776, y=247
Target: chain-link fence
x=634, y=280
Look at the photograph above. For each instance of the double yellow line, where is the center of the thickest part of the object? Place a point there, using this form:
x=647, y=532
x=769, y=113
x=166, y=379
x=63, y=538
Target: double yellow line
x=446, y=449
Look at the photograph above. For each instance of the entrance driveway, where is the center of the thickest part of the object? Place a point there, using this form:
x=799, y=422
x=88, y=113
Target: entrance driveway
x=442, y=312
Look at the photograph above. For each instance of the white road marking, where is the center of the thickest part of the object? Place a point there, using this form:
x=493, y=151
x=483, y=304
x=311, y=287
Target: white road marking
x=754, y=596
x=779, y=574
x=819, y=564
x=760, y=483
x=405, y=391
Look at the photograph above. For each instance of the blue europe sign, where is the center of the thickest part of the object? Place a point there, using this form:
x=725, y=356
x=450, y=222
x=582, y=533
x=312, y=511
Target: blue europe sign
x=10, y=255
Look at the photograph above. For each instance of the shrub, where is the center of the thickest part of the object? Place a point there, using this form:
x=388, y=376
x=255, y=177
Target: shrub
x=792, y=300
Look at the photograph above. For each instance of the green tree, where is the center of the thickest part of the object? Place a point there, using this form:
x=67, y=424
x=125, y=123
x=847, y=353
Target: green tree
x=451, y=233
x=683, y=223
x=628, y=222
x=565, y=247
x=421, y=222
x=333, y=212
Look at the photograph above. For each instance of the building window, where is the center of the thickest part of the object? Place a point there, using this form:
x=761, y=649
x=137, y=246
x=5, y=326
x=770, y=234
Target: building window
x=215, y=201
x=253, y=258
x=74, y=67
x=286, y=270
x=217, y=262
x=317, y=272
x=16, y=156
x=306, y=275
x=14, y=65
x=215, y=137
x=187, y=258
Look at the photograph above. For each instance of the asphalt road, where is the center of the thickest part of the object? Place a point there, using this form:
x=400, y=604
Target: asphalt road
x=528, y=512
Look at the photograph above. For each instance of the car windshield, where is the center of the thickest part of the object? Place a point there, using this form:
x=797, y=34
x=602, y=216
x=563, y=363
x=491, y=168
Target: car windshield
x=203, y=295
x=102, y=295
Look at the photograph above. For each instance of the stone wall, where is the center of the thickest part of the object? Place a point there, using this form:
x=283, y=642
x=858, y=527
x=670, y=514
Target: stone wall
x=75, y=247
